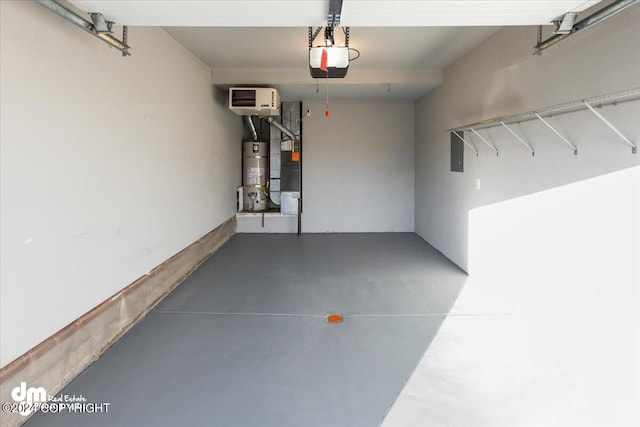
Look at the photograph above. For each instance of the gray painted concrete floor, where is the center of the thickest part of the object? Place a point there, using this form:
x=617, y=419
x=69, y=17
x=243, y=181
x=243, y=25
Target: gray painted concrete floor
x=244, y=340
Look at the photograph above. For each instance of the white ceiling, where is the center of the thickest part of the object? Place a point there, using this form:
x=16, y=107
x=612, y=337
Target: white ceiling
x=405, y=45
x=360, y=13
x=286, y=47
x=278, y=57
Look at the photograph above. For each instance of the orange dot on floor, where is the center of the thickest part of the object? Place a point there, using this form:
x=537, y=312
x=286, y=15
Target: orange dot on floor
x=334, y=318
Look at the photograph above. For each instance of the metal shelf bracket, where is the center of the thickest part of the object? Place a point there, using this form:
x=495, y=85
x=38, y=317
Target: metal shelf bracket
x=522, y=141
x=543, y=114
x=467, y=143
x=492, y=146
x=575, y=149
x=608, y=123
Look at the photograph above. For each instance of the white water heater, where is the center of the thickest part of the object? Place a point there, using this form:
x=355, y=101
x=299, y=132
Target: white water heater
x=254, y=177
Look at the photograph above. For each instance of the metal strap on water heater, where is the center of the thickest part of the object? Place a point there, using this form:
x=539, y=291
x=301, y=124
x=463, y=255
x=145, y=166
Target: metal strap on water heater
x=262, y=188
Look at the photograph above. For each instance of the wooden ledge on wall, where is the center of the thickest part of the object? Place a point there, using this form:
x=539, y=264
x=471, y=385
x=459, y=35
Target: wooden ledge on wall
x=58, y=359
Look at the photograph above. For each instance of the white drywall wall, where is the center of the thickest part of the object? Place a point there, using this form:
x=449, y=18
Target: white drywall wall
x=546, y=330
x=110, y=165
x=502, y=77
x=358, y=167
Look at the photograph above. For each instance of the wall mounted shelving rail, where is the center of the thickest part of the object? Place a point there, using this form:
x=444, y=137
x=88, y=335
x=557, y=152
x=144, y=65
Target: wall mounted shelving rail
x=591, y=104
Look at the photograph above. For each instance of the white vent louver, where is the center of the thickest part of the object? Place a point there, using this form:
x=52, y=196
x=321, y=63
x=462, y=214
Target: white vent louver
x=254, y=101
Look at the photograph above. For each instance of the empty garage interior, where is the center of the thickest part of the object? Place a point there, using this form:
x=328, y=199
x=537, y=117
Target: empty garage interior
x=436, y=223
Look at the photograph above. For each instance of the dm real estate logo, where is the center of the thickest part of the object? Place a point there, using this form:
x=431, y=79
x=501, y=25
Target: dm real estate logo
x=28, y=399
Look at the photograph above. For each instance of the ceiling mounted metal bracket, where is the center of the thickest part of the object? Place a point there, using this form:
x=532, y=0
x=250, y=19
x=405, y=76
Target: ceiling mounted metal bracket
x=539, y=39
x=125, y=37
x=608, y=123
x=467, y=143
x=99, y=28
x=313, y=34
x=522, y=141
x=564, y=24
x=328, y=36
x=335, y=12
x=589, y=21
x=101, y=25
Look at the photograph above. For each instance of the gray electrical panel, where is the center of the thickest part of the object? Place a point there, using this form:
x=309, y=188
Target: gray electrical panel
x=457, y=153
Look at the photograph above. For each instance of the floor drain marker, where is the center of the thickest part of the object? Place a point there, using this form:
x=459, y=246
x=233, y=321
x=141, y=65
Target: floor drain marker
x=334, y=318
